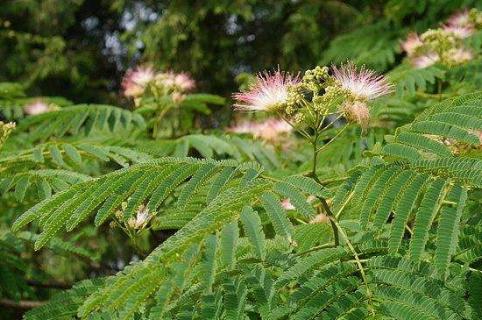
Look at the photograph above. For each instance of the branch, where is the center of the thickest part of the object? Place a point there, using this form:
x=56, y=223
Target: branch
x=54, y=285
x=21, y=304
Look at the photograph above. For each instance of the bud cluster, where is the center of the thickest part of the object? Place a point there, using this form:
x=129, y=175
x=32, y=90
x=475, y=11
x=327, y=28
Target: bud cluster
x=315, y=78
x=295, y=99
x=334, y=95
x=5, y=130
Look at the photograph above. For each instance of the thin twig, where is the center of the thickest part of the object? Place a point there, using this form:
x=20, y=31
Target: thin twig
x=54, y=285
x=21, y=304
x=332, y=139
x=355, y=255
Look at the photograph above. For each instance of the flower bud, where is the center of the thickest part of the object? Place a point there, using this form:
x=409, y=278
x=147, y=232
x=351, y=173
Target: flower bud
x=357, y=112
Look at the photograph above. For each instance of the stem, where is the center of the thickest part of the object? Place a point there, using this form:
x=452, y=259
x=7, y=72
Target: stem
x=323, y=246
x=177, y=128
x=329, y=124
x=474, y=270
x=332, y=139
x=325, y=205
x=431, y=95
x=53, y=285
x=157, y=124
x=137, y=246
x=331, y=217
x=301, y=131
x=338, y=214
x=21, y=304
x=315, y=156
x=439, y=90
x=357, y=259
x=409, y=230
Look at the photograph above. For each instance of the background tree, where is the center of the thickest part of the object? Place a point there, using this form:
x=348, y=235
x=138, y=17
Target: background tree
x=79, y=49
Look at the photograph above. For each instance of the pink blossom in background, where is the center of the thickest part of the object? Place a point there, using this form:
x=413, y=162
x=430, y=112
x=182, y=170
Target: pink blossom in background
x=460, y=18
x=425, y=60
x=176, y=81
x=460, y=55
x=286, y=204
x=411, y=43
x=37, y=107
x=243, y=127
x=269, y=130
x=135, y=81
x=460, y=32
x=184, y=81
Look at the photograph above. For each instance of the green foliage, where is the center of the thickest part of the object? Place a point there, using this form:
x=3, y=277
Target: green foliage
x=236, y=251
x=377, y=51
x=161, y=212
x=82, y=120
x=409, y=80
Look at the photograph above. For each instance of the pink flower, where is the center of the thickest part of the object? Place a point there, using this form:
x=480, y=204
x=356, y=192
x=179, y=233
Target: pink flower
x=460, y=18
x=176, y=81
x=269, y=130
x=178, y=97
x=244, y=127
x=286, y=204
x=36, y=107
x=459, y=31
x=364, y=84
x=460, y=55
x=135, y=81
x=268, y=93
x=411, y=43
x=180, y=82
x=320, y=218
x=184, y=81
x=425, y=60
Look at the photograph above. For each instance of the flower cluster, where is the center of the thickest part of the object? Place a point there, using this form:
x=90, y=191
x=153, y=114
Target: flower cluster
x=319, y=93
x=444, y=44
x=138, y=80
x=270, y=130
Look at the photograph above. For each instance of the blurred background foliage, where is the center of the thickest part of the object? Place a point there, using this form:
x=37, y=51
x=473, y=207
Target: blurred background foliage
x=79, y=49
